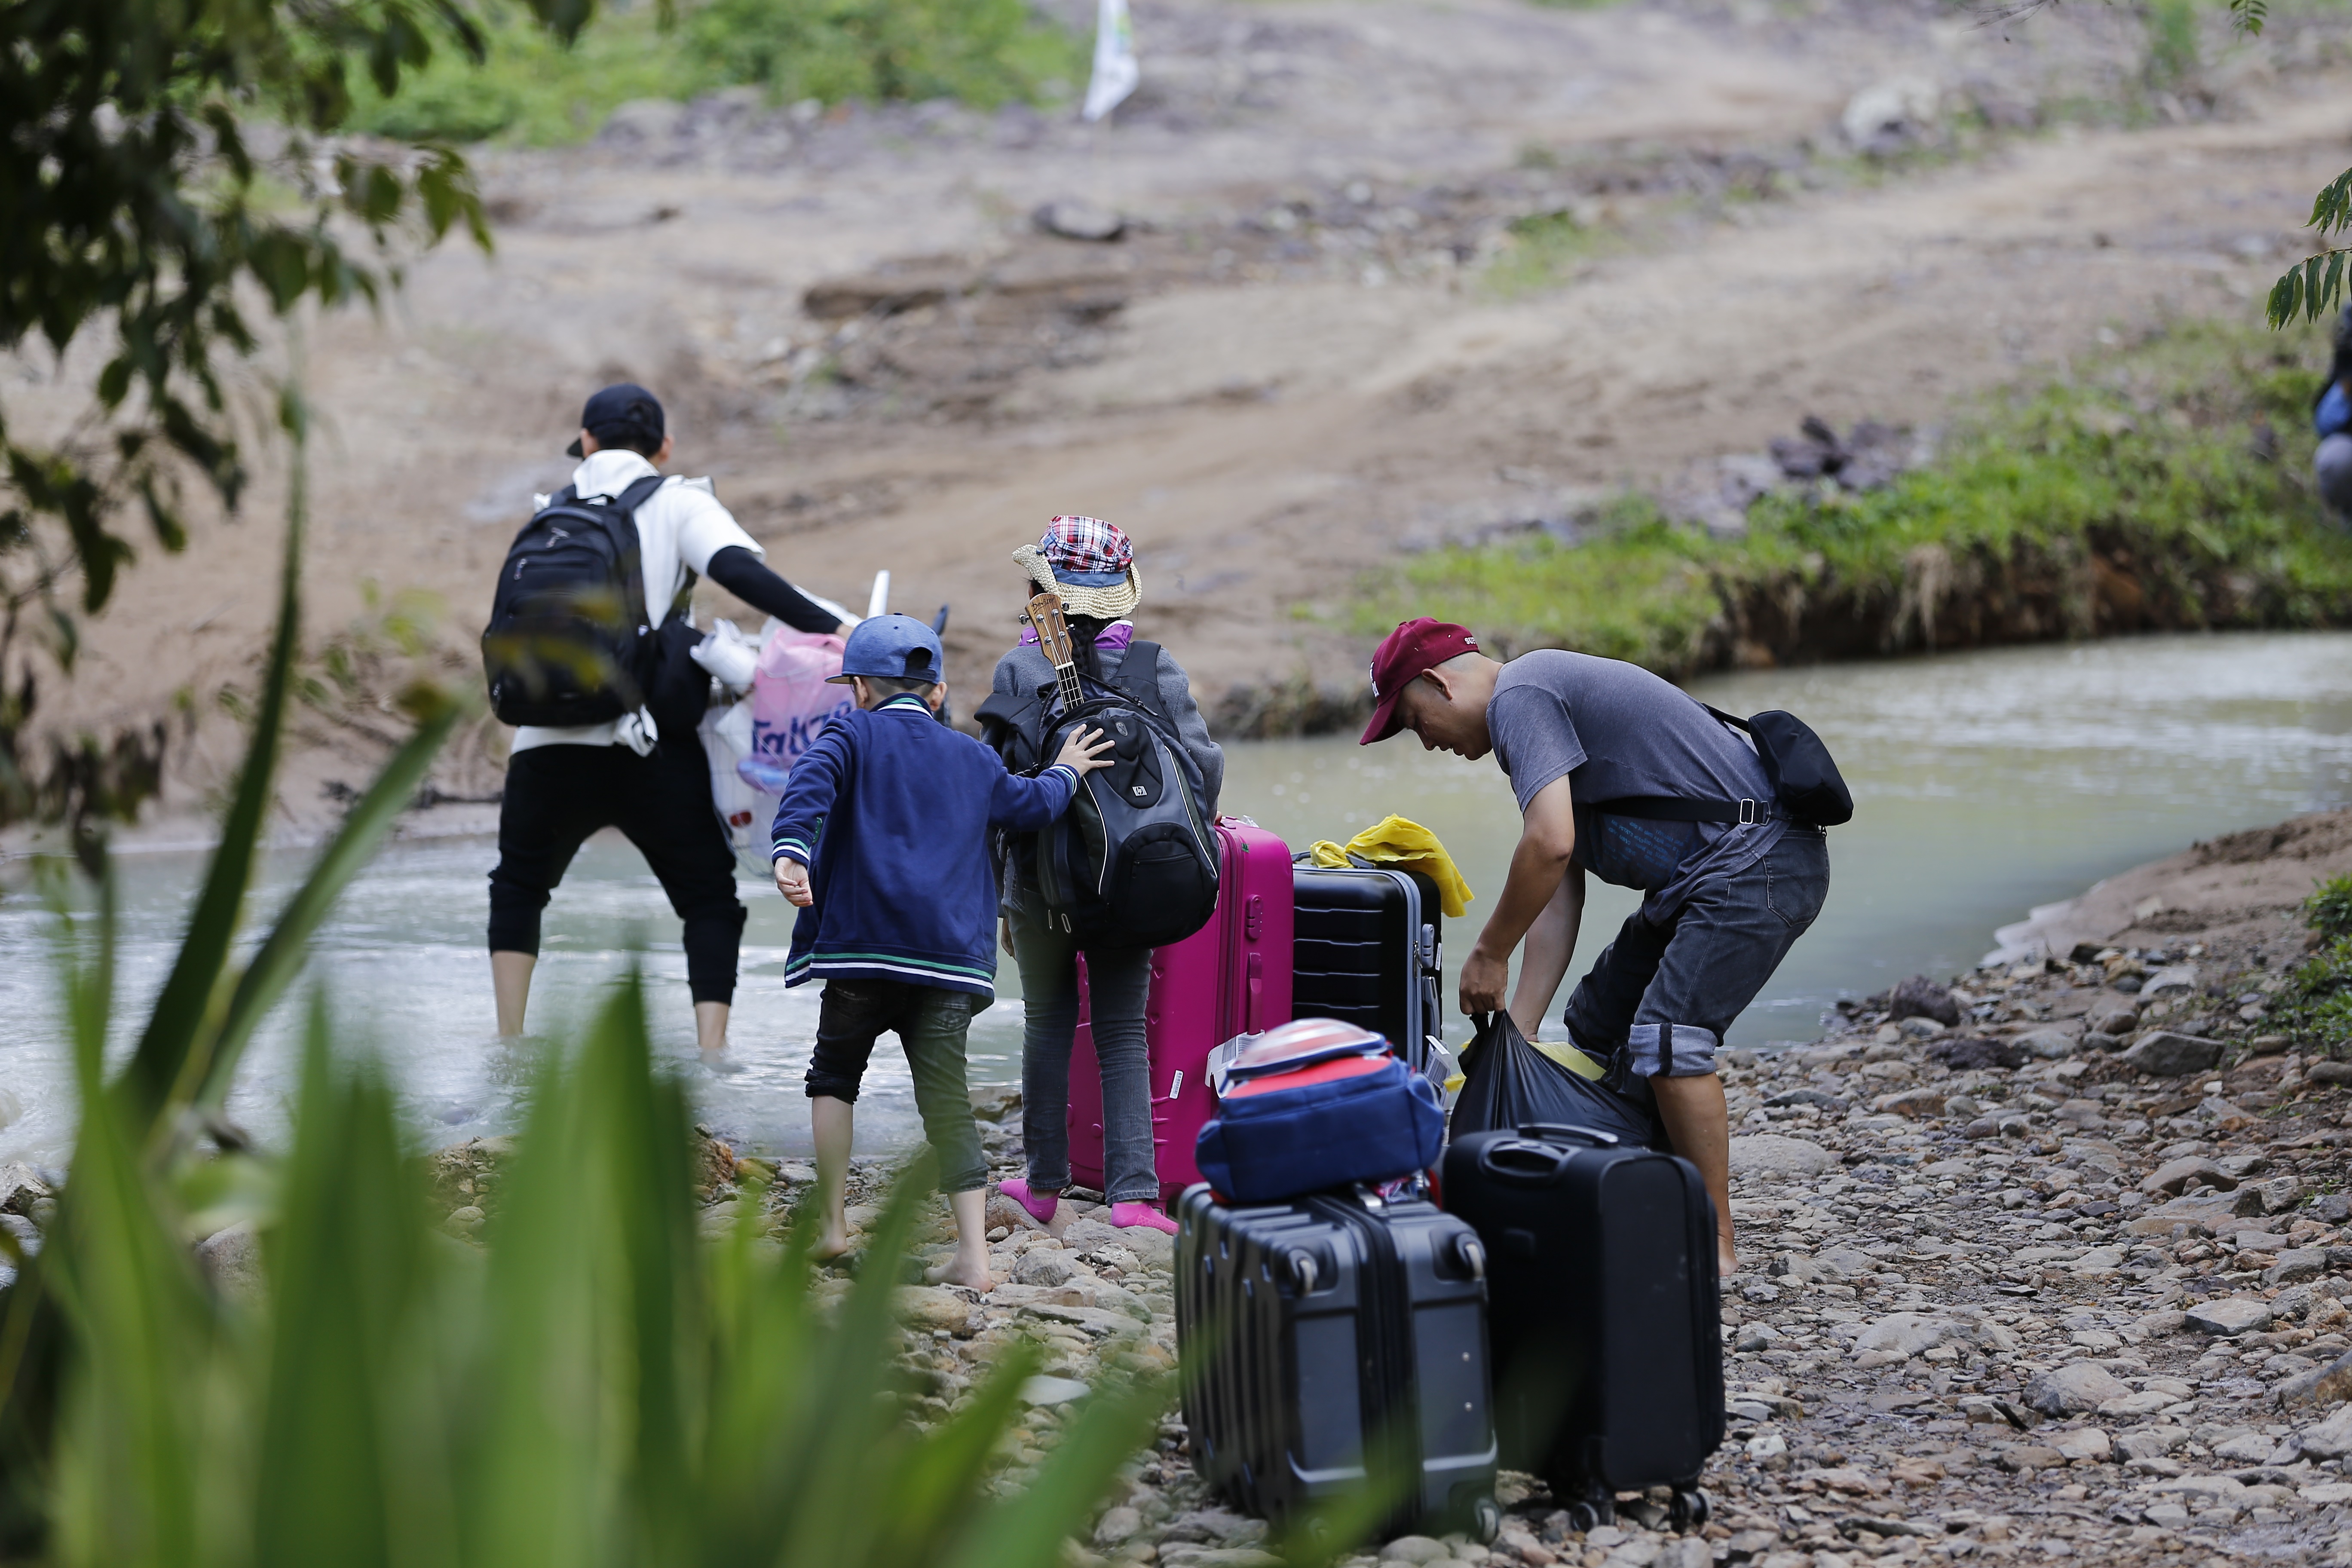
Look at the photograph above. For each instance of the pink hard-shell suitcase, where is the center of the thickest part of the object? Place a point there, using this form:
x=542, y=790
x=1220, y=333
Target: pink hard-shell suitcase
x=1230, y=977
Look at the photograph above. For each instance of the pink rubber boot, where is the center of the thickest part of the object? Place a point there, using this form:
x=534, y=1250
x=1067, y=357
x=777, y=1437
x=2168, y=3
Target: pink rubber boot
x=1144, y=1214
x=1039, y=1205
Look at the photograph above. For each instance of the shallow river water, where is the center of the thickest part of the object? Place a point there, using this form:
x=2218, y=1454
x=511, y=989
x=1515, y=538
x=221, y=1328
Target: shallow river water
x=1985, y=783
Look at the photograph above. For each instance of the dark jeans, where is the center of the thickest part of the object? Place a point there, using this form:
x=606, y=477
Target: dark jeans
x=1117, y=981
x=557, y=796
x=930, y=1023
x=1660, y=996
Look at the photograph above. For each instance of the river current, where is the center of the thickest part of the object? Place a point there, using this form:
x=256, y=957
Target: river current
x=1985, y=783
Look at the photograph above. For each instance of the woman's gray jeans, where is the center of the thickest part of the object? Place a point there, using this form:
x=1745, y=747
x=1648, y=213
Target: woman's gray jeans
x=1117, y=981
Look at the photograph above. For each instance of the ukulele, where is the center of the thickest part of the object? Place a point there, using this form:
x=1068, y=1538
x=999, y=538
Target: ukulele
x=1044, y=612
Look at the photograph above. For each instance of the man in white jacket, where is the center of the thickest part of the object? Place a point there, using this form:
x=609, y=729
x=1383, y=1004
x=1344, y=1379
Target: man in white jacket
x=562, y=785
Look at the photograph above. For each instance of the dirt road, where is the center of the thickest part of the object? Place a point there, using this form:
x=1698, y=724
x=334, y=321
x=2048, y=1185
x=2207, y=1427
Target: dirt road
x=1298, y=359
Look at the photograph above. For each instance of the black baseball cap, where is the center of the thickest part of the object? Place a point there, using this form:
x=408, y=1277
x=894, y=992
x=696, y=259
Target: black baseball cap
x=622, y=408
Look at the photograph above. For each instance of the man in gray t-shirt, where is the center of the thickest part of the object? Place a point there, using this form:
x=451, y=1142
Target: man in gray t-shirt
x=1723, y=901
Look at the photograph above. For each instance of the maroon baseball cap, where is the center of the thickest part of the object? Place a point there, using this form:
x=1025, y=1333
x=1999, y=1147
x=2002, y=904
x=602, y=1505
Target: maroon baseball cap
x=1414, y=646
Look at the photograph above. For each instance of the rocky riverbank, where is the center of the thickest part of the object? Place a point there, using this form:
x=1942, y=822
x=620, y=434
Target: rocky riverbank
x=2047, y=1261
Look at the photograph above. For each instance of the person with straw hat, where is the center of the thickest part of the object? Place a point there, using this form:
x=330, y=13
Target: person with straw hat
x=1091, y=564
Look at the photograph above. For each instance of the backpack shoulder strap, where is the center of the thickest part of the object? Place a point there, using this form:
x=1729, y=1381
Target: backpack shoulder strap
x=1138, y=678
x=639, y=492
x=1736, y=724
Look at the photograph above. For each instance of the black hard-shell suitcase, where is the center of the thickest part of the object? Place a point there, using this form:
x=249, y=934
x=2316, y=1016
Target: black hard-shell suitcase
x=1367, y=949
x=1333, y=1340
x=1604, y=1311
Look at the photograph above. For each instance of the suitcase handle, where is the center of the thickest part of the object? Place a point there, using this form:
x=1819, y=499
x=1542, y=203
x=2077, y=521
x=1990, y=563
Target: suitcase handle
x=1532, y=1164
x=1592, y=1135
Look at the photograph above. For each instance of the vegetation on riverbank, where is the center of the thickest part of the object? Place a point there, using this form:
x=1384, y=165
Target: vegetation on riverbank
x=2163, y=486
x=533, y=89
x=2316, y=1004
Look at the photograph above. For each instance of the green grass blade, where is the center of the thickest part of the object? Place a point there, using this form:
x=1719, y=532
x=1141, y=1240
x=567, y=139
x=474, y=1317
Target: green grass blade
x=211, y=1064
x=188, y=995
x=1029, y=1529
x=349, y=1269
x=129, y=1483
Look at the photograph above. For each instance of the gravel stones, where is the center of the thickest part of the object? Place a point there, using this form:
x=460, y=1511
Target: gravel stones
x=1078, y=220
x=2228, y=1316
x=2174, y=1175
x=232, y=1259
x=2319, y=1388
x=2207, y=1211
x=1973, y=1053
x=2050, y=1045
x=2296, y=1264
x=2328, y=1439
x=1776, y=1154
x=1920, y=997
x=1047, y=1267
x=2112, y=1015
x=2087, y=1443
x=2073, y=1389
x=2164, y=1053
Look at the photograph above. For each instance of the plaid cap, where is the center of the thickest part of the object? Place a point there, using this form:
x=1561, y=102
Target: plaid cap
x=1086, y=552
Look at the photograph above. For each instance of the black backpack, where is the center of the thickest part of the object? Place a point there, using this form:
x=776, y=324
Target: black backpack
x=1806, y=785
x=570, y=641
x=1133, y=862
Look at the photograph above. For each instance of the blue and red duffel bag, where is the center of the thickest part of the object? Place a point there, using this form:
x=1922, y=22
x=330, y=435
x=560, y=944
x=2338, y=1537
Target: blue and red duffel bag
x=1313, y=1105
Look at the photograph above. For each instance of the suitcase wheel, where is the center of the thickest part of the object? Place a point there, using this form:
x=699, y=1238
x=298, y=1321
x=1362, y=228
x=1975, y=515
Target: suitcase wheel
x=1690, y=1510
x=1587, y=1516
x=1486, y=1521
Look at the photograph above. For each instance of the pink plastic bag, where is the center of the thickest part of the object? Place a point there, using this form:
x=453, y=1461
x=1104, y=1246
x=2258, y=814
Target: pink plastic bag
x=790, y=703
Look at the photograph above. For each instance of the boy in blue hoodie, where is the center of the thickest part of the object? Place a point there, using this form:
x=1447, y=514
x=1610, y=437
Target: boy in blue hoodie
x=881, y=840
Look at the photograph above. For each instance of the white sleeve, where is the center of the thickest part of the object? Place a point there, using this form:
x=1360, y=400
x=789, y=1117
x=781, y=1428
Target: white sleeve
x=704, y=527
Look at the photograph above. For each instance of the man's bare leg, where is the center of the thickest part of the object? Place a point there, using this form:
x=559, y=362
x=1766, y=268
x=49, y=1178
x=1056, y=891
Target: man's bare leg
x=1699, y=1125
x=711, y=1025
x=833, y=1123
x=510, y=980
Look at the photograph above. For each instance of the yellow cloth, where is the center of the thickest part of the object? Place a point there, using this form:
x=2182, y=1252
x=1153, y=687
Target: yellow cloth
x=1395, y=841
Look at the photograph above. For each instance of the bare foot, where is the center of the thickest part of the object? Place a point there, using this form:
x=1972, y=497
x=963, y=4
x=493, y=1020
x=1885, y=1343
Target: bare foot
x=971, y=1274
x=832, y=1244
x=1727, y=1263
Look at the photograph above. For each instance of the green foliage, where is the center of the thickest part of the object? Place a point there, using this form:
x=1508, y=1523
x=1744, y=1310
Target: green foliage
x=2328, y=910
x=532, y=89
x=1542, y=250
x=133, y=204
x=984, y=52
x=598, y=1387
x=2172, y=49
x=2316, y=1004
x=2187, y=454
x=167, y=1093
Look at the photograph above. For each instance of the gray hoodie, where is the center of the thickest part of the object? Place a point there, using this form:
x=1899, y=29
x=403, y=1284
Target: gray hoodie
x=1023, y=670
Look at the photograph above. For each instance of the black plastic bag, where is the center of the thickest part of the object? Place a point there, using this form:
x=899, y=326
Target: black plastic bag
x=1510, y=1085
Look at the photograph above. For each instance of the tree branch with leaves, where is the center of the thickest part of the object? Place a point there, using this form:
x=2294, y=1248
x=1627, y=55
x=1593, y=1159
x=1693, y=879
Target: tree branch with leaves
x=174, y=173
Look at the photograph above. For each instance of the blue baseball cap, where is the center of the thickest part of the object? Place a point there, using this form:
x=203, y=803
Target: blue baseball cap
x=898, y=647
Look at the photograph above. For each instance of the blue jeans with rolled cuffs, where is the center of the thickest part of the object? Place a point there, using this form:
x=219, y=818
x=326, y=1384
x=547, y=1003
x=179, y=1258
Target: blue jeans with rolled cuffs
x=1660, y=996
x=1119, y=980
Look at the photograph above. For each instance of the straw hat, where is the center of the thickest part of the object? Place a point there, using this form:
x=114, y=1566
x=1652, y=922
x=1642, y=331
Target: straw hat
x=1089, y=562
